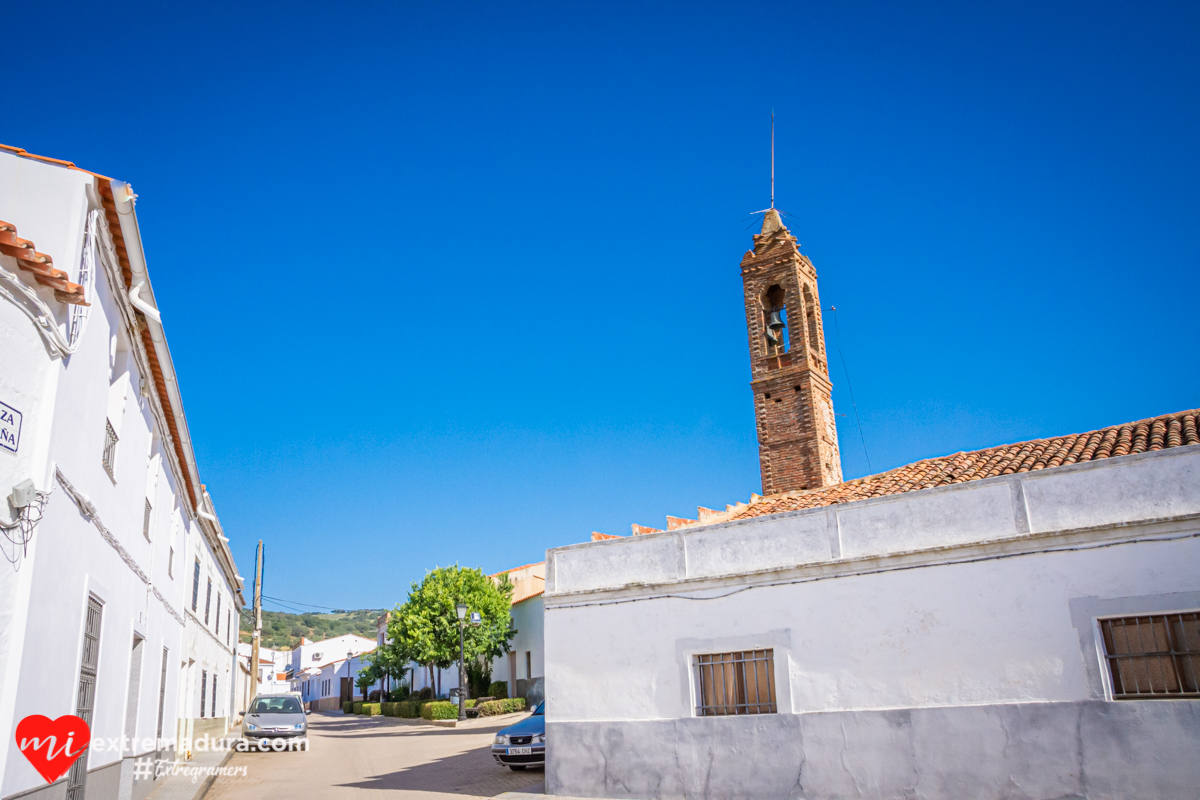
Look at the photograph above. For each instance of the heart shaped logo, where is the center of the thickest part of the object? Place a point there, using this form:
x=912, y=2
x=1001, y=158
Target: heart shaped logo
x=52, y=745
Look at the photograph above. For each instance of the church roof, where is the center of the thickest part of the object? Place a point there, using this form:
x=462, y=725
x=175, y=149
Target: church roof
x=1156, y=433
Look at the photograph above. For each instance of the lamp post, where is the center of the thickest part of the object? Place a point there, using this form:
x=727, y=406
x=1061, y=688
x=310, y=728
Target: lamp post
x=349, y=679
x=461, y=610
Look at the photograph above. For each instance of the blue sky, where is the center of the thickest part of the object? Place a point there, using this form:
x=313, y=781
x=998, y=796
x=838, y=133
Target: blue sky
x=460, y=283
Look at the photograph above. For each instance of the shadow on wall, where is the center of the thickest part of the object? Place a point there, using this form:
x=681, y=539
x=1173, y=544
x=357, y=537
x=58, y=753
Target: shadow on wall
x=532, y=689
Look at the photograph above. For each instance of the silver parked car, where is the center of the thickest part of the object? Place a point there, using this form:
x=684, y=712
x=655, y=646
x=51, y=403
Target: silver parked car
x=523, y=744
x=273, y=716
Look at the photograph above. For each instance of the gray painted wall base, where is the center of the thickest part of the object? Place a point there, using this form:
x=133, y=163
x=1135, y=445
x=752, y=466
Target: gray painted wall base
x=1033, y=751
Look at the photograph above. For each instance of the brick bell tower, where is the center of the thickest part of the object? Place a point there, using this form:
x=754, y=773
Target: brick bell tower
x=793, y=398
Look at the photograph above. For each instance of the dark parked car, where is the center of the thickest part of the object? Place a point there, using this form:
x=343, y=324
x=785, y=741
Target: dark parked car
x=524, y=744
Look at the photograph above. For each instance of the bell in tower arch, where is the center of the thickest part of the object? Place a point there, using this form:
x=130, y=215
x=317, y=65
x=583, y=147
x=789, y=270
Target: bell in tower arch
x=775, y=313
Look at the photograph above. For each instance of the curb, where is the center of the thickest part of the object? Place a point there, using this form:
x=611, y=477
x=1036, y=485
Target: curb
x=208, y=782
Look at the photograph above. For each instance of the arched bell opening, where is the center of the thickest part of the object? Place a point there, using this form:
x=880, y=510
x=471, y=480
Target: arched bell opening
x=774, y=303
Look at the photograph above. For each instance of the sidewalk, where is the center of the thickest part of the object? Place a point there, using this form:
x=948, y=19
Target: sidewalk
x=533, y=793
x=193, y=786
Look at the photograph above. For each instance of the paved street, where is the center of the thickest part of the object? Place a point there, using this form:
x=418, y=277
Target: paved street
x=354, y=756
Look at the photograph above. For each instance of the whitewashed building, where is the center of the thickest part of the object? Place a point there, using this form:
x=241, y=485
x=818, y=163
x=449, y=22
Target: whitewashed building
x=309, y=661
x=272, y=671
x=1022, y=621
x=523, y=667
x=118, y=592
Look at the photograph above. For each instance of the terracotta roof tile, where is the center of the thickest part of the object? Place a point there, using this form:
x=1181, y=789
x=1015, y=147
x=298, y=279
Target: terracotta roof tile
x=1156, y=433
x=40, y=264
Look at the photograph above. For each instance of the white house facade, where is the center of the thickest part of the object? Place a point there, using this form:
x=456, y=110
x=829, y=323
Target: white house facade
x=1021, y=621
x=103, y=512
x=318, y=669
x=523, y=667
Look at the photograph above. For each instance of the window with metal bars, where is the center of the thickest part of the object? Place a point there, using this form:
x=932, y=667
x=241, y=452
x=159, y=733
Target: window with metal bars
x=110, y=450
x=203, y=691
x=207, y=600
x=1154, y=656
x=735, y=683
x=214, y=700
x=86, y=697
x=146, y=520
x=196, y=586
x=217, y=619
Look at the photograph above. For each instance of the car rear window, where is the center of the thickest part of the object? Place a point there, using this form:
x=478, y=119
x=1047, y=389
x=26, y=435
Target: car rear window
x=276, y=705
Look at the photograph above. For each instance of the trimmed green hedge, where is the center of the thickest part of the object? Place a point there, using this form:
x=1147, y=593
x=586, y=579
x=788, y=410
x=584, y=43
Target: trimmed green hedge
x=347, y=707
x=494, y=708
x=439, y=709
x=498, y=689
x=405, y=709
x=389, y=709
x=371, y=709
x=358, y=706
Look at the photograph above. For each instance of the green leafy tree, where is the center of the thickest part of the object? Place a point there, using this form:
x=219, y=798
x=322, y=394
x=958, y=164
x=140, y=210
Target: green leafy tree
x=366, y=676
x=425, y=628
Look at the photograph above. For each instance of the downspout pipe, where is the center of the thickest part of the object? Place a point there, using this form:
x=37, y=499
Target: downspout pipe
x=141, y=296
x=141, y=305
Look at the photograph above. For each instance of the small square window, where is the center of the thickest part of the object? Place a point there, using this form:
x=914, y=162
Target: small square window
x=1155, y=656
x=735, y=683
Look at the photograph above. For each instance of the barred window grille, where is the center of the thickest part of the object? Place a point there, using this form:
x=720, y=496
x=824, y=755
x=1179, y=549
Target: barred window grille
x=214, y=699
x=196, y=586
x=86, y=698
x=1154, y=656
x=735, y=683
x=203, y=691
x=110, y=450
x=207, y=600
x=146, y=520
x=217, y=620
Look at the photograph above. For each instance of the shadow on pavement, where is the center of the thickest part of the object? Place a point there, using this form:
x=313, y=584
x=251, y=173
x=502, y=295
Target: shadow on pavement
x=472, y=773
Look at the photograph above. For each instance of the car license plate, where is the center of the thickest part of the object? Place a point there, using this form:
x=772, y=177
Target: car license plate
x=520, y=751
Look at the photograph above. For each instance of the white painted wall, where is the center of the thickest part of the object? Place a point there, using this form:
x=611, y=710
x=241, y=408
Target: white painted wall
x=967, y=599
x=528, y=619
x=998, y=631
x=65, y=403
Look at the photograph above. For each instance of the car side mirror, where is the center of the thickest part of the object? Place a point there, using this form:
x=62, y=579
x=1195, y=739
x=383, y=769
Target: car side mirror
x=307, y=711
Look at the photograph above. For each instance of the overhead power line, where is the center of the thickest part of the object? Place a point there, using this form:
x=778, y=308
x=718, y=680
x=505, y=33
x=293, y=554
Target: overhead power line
x=850, y=386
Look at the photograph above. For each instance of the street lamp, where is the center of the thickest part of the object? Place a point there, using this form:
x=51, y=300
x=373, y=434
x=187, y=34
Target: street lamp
x=349, y=680
x=461, y=610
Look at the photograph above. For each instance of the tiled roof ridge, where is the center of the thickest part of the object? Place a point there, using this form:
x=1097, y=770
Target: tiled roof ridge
x=23, y=153
x=1152, y=433
x=1162, y=432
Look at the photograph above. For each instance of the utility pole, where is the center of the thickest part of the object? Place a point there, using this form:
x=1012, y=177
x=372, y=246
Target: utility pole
x=256, y=636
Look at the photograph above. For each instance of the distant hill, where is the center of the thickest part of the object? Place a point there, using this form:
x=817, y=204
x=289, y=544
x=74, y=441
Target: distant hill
x=282, y=631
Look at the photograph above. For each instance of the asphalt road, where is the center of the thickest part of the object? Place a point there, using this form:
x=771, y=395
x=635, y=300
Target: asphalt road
x=378, y=757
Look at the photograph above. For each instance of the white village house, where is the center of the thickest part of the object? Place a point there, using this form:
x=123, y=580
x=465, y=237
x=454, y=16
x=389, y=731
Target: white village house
x=272, y=673
x=1020, y=621
x=318, y=669
x=523, y=667
x=119, y=593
